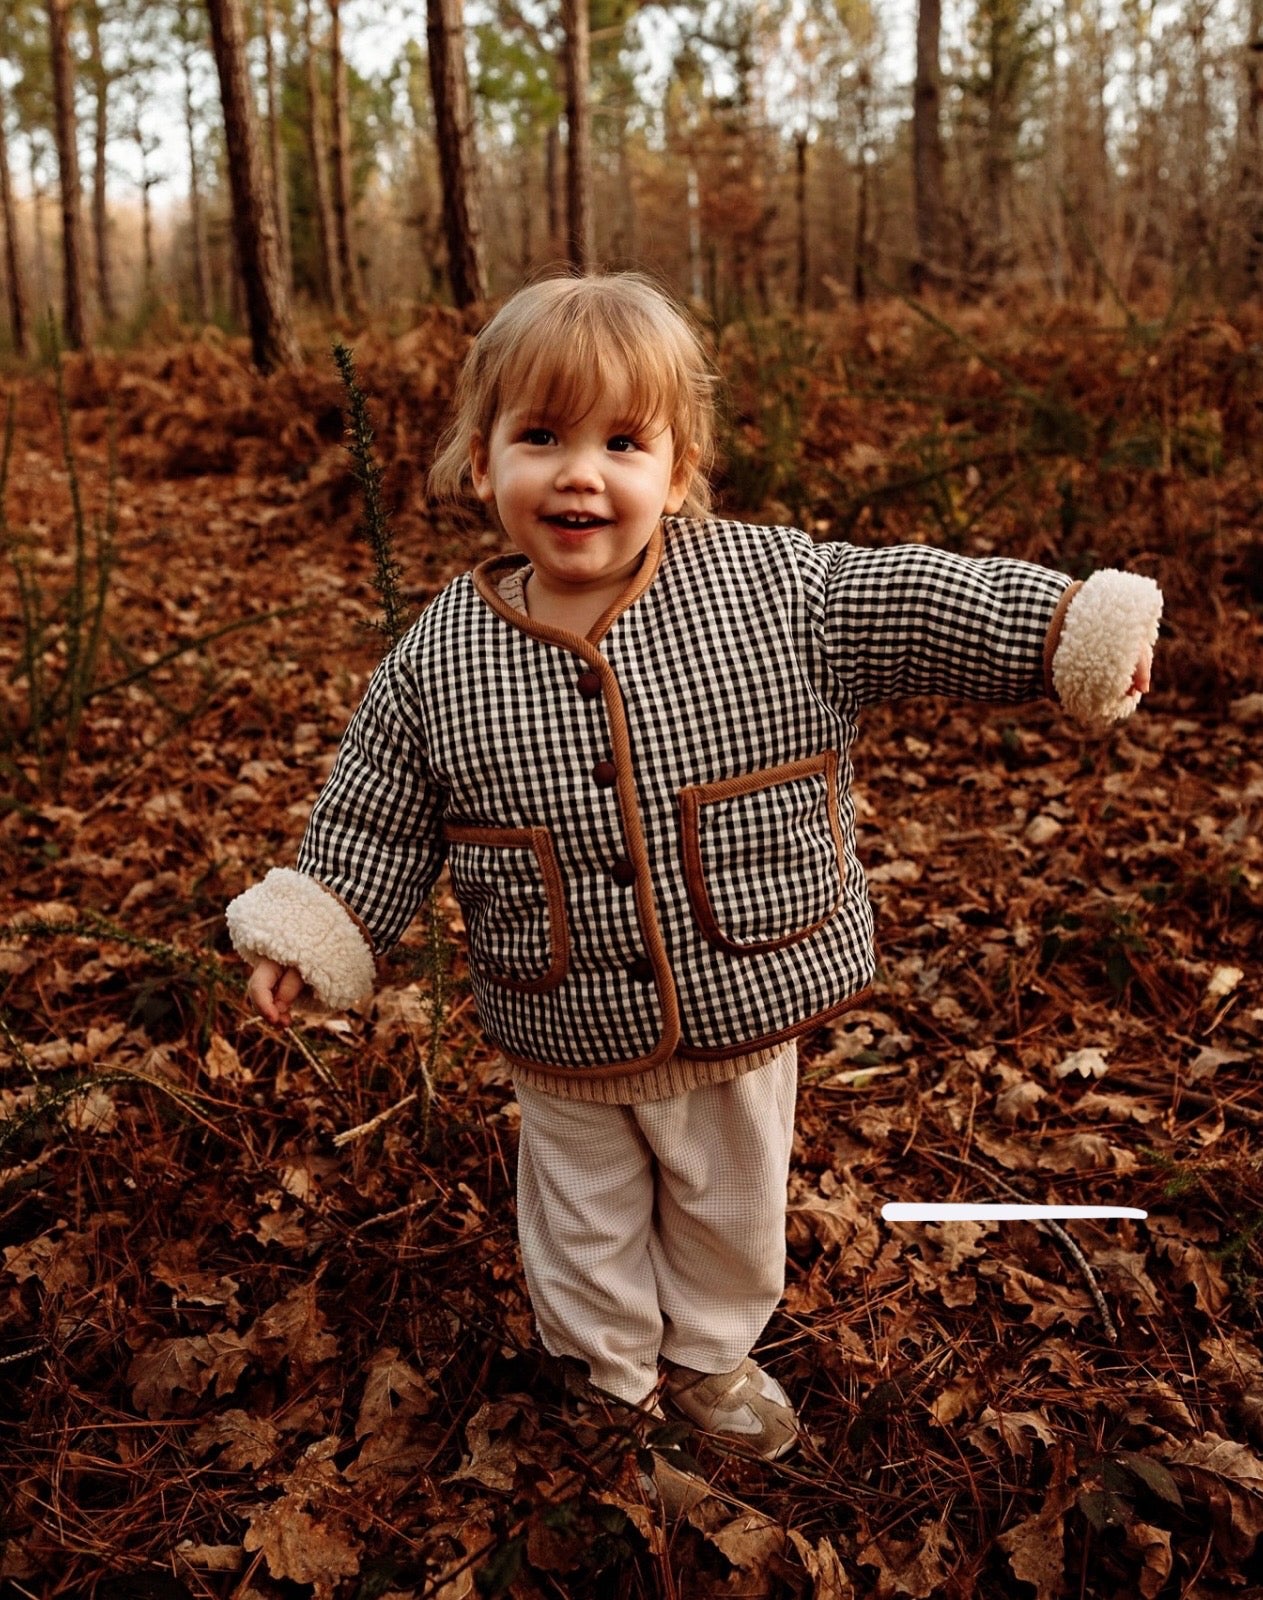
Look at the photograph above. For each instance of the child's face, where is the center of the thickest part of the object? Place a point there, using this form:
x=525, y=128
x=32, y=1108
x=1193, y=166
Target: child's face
x=580, y=499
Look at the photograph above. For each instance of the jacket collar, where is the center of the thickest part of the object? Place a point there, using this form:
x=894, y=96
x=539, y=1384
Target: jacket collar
x=487, y=574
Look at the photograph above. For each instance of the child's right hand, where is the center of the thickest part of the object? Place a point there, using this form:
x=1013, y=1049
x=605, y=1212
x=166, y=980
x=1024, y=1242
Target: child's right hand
x=273, y=989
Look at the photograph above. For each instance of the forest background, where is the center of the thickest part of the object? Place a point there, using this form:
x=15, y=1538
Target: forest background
x=987, y=277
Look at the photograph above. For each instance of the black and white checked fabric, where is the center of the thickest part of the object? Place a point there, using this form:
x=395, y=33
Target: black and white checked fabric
x=752, y=648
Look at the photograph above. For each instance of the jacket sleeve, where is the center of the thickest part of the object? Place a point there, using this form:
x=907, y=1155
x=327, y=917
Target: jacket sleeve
x=910, y=619
x=371, y=852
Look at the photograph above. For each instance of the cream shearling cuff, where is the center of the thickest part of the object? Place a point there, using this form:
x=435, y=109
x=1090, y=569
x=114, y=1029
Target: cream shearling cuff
x=289, y=918
x=1107, y=626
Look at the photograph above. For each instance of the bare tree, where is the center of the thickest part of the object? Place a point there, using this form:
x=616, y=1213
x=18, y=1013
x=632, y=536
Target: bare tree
x=272, y=338
x=340, y=162
x=75, y=317
x=187, y=31
x=317, y=155
x=100, y=143
x=578, y=60
x=1252, y=138
x=454, y=136
x=800, y=210
x=276, y=153
x=14, y=272
x=927, y=146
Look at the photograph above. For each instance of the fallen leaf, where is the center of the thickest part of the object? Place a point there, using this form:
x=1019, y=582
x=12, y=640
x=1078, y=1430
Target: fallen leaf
x=1229, y=1478
x=298, y=1547
x=915, y=1567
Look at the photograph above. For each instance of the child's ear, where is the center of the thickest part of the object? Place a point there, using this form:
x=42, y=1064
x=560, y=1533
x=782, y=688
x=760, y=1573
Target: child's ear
x=682, y=479
x=480, y=469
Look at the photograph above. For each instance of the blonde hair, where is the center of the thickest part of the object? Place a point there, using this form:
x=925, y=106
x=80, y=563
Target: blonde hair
x=563, y=340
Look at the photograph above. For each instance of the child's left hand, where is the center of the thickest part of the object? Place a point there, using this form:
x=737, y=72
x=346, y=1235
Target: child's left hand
x=1140, y=678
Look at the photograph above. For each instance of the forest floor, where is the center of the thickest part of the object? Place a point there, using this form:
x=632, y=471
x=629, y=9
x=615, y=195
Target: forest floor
x=251, y=1347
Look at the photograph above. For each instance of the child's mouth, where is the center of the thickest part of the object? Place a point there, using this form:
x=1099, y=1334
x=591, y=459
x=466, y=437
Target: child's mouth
x=576, y=523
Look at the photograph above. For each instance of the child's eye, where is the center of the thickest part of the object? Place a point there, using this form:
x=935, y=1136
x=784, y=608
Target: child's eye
x=537, y=435
x=622, y=442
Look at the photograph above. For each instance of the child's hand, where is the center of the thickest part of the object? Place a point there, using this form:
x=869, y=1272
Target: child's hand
x=273, y=989
x=1140, y=678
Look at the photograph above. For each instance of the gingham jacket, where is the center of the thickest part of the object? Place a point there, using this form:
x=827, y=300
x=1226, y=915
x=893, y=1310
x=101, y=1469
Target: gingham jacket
x=650, y=830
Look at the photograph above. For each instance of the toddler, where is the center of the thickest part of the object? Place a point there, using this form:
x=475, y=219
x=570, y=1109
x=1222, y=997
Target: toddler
x=629, y=738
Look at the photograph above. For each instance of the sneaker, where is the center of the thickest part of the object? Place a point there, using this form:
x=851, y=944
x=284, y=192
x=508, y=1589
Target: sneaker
x=745, y=1410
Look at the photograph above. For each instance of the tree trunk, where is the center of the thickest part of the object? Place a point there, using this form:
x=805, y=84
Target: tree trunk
x=15, y=279
x=320, y=173
x=100, y=142
x=272, y=339
x=800, y=206
x=43, y=277
x=552, y=162
x=859, y=280
x=75, y=319
x=201, y=252
x=144, y=149
x=340, y=161
x=578, y=57
x=454, y=136
x=276, y=153
x=1253, y=142
x=927, y=146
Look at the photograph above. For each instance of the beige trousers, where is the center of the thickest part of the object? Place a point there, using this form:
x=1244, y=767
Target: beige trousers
x=657, y=1229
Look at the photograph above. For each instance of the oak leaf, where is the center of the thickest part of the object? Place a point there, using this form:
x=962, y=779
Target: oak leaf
x=298, y=1547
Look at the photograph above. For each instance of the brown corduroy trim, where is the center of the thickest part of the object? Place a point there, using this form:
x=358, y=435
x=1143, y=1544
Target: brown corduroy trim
x=1053, y=637
x=540, y=842
x=488, y=573
x=697, y=795
x=354, y=916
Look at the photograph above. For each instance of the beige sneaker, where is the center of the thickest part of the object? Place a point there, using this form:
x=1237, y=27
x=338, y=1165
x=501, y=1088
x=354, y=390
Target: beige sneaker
x=745, y=1410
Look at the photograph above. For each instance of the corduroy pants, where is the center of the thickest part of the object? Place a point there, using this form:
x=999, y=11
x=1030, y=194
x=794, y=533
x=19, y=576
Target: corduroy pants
x=657, y=1229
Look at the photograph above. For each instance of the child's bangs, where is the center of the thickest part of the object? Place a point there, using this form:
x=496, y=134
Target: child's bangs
x=566, y=368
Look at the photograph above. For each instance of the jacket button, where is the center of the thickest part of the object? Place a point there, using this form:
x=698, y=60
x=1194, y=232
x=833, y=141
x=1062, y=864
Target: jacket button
x=641, y=969
x=589, y=684
x=623, y=872
x=605, y=773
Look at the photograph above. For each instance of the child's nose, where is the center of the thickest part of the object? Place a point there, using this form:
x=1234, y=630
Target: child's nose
x=580, y=470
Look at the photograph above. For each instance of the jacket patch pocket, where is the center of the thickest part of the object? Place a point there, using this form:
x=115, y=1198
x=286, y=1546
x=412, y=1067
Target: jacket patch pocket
x=763, y=854
x=508, y=884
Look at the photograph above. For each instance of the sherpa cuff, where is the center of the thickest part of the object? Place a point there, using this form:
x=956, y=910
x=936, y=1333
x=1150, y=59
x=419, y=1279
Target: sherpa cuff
x=290, y=918
x=1107, y=626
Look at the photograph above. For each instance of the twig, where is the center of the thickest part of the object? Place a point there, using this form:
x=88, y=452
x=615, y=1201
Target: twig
x=350, y=1135
x=1055, y=1228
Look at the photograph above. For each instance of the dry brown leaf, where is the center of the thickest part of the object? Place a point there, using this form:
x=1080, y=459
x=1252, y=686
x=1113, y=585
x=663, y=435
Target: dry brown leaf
x=208, y=1557
x=1046, y=1303
x=293, y=1329
x=186, y=1368
x=915, y=1567
x=1229, y=1477
x=1237, y=1367
x=1193, y=1268
x=178, y=1266
x=823, y=1565
x=491, y=1435
x=1153, y=1546
x=393, y=1387
x=58, y=1259
x=958, y=1398
x=1015, y=1429
x=223, y=1062
x=247, y=1441
x=297, y=1546
x=1036, y=1552
x=844, y=1222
